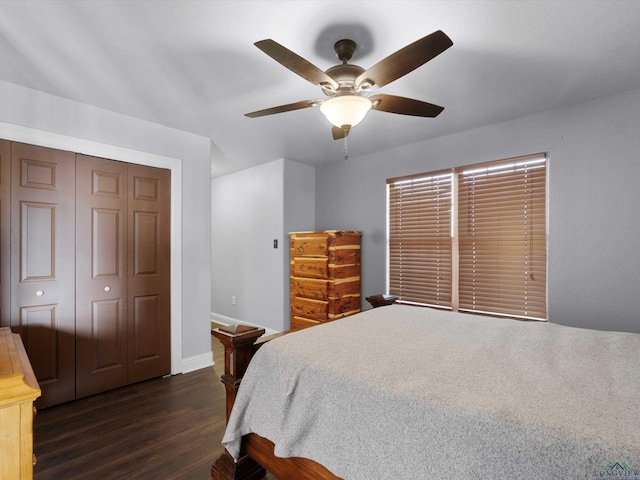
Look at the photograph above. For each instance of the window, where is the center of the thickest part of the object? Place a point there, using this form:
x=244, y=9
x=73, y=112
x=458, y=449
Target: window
x=472, y=238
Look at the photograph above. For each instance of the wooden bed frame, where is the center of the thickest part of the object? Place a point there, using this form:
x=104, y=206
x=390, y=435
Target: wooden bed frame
x=240, y=344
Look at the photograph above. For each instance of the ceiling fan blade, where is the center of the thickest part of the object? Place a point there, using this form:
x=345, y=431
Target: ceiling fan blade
x=295, y=63
x=339, y=133
x=405, y=60
x=404, y=106
x=284, y=108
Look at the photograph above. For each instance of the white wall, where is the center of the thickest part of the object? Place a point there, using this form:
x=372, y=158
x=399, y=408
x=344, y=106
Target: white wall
x=594, y=202
x=249, y=210
x=39, y=118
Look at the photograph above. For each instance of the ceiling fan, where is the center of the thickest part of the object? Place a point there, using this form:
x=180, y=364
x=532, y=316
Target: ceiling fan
x=345, y=84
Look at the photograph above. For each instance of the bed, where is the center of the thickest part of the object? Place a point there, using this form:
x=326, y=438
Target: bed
x=408, y=392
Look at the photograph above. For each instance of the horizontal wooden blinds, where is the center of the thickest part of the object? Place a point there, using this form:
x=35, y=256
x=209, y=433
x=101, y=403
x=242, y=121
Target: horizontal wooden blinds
x=419, y=255
x=502, y=237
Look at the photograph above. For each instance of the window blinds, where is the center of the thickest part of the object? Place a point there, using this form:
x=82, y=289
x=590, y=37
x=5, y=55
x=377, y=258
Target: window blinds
x=420, y=238
x=502, y=237
x=490, y=257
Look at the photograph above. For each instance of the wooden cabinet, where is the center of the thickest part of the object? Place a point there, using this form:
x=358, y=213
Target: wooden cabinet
x=324, y=276
x=18, y=390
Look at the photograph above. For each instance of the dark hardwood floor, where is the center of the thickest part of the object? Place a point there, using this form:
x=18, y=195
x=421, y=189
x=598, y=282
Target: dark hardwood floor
x=162, y=429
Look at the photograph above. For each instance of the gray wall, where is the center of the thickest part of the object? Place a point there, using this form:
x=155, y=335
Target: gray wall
x=299, y=215
x=249, y=210
x=93, y=129
x=593, y=198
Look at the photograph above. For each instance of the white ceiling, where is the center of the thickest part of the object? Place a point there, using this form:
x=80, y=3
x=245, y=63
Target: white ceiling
x=192, y=65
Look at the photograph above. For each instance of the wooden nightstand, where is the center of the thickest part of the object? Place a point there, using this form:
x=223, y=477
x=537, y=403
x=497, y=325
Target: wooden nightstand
x=381, y=300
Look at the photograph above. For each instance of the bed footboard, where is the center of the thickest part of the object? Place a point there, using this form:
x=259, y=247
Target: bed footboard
x=240, y=344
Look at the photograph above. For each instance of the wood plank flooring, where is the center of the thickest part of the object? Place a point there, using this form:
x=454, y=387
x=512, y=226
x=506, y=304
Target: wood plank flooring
x=165, y=429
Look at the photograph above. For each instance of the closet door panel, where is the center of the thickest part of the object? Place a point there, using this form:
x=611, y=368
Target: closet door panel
x=5, y=229
x=101, y=275
x=42, y=265
x=147, y=338
x=149, y=274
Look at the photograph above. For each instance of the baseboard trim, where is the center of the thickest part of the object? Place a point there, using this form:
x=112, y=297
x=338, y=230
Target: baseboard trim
x=224, y=320
x=197, y=362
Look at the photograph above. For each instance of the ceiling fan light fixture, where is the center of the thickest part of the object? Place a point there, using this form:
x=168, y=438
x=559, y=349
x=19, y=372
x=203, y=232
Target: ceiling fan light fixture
x=345, y=109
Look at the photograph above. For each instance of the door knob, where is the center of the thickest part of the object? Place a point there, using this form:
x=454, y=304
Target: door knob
x=107, y=288
x=39, y=293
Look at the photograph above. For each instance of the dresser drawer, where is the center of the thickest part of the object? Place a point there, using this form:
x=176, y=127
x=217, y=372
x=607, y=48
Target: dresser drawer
x=308, y=308
x=324, y=289
x=345, y=255
x=344, y=271
x=319, y=267
x=311, y=267
x=309, y=245
x=341, y=307
x=298, y=323
x=344, y=287
x=309, y=288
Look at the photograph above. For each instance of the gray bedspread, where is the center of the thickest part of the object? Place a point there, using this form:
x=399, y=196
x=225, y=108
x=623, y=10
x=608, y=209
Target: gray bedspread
x=404, y=392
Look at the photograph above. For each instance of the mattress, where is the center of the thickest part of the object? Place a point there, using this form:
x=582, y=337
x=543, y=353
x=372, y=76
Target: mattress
x=408, y=392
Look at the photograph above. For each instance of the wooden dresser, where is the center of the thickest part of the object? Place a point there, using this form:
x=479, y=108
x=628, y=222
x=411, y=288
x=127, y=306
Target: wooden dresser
x=325, y=276
x=18, y=390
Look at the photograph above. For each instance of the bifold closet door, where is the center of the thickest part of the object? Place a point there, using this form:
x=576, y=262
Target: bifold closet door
x=122, y=274
x=149, y=284
x=85, y=279
x=5, y=232
x=43, y=265
x=101, y=275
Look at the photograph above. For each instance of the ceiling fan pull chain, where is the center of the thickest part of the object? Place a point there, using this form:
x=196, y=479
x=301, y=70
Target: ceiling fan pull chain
x=346, y=153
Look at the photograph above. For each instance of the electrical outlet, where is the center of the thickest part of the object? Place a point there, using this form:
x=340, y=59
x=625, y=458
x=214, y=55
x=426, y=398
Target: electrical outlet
x=275, y=243
x=233, y=300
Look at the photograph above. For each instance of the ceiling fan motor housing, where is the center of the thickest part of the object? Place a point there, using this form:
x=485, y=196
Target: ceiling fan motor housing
x=344, y=49
x=345, y=76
